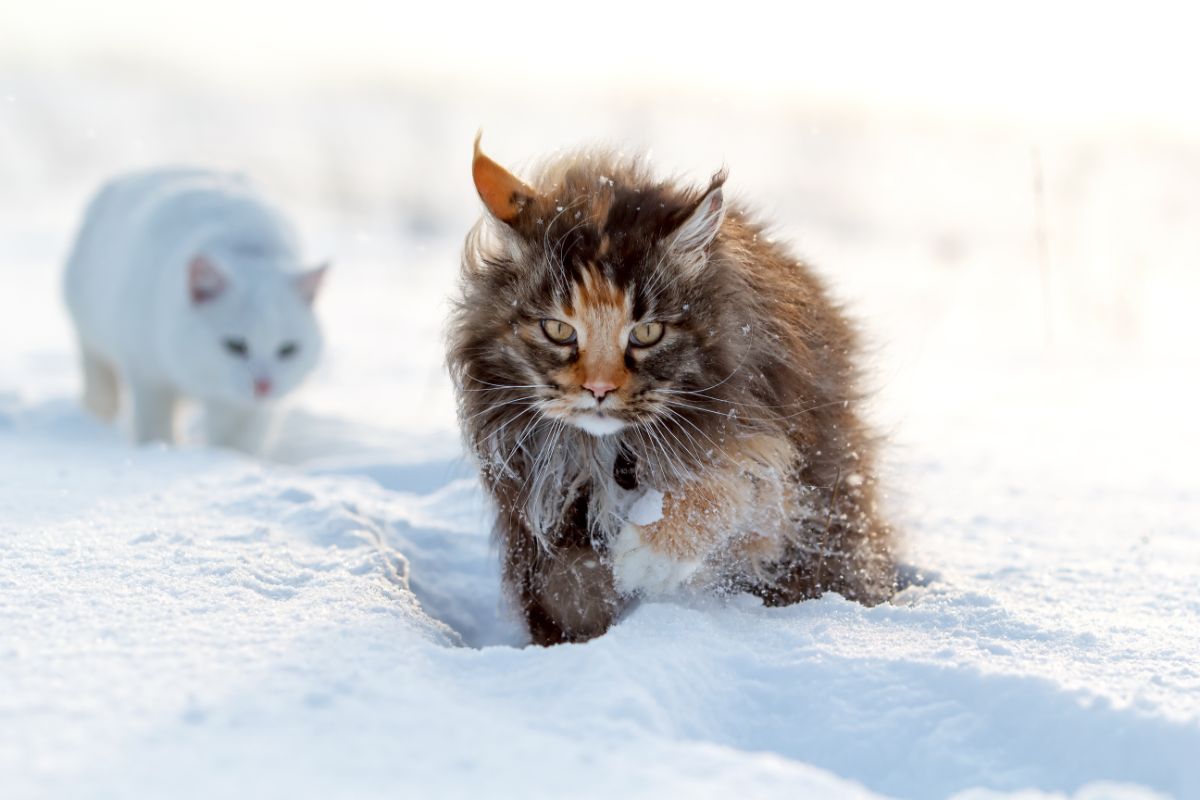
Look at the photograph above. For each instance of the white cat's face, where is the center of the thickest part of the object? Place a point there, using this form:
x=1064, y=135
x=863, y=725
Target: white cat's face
x=252, y=336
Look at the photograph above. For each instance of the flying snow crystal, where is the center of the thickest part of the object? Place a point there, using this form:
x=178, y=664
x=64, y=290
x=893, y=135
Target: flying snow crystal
x=647, y=509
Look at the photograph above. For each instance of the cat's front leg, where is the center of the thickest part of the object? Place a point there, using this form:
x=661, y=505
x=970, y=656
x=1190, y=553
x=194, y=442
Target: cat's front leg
x=745, y=494
x=641, y=566
x=250, y=430
x=153, y=407
x=660, y=556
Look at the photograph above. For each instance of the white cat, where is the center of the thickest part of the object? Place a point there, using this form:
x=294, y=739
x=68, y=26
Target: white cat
x=185, y=283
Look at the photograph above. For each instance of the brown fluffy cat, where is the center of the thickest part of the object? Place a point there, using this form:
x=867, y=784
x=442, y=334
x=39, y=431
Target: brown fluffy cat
x=658, y=396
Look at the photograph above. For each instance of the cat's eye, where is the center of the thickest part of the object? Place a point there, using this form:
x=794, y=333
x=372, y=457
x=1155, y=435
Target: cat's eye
x=646, y=334
x=237, y=347
x=287, y=350
x=558, y=331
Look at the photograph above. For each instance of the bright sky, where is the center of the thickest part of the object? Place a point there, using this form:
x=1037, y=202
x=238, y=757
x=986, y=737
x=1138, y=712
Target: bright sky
x=1076, y=61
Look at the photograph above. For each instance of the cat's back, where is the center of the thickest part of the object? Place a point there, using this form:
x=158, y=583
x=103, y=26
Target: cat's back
x=132, y=211
x=141, y=228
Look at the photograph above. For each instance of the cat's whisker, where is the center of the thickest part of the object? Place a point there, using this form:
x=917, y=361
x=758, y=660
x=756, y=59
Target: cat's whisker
x=499, y=388
x=702, y=395
x=503, y=466
x=774, y=417
x=667, y=462
x=555, y=434
x=513, y=418
x=650, y=444
x=730, y=414
x=503, y=385
x=523, y=436
x=651, y=451
x=645, y=448
x=699, y=430
x=542, y=473
x=543, y=454
x=492, y=409
x=688, y=445
x=726, y=379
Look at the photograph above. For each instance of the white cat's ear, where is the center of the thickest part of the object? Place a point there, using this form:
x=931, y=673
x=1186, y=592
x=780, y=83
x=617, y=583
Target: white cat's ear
x=504, y=194
x=205, y=280
x=698, y=230
x=309, y=283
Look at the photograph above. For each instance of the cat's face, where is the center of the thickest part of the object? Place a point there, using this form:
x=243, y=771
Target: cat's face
x=606, y=355
x=592, y=307
x=251, y=336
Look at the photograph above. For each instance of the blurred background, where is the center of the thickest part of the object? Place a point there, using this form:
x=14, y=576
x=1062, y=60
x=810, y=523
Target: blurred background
x=1005, y=196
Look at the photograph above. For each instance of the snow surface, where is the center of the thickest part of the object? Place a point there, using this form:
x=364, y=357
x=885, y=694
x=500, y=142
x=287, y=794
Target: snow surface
x=186, y=622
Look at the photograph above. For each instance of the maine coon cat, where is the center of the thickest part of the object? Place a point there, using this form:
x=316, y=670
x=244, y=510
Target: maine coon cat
x=186, y=284
x=659, y=396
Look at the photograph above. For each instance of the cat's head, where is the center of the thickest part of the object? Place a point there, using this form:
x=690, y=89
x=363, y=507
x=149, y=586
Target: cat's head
x=593, y=300
x=249, y=335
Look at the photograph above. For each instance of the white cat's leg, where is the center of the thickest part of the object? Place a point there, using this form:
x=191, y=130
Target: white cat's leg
x=153, y=411
x=100, y=391
x=250, y=430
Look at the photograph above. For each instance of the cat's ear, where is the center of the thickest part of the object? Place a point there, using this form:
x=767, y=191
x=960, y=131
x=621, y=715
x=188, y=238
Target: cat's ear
x=309, y=283
x=504, y=194
x=701, y=227
x=205, y=280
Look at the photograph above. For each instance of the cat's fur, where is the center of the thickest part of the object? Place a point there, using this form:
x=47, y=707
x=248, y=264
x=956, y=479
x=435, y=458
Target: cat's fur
x=184, y=283
x=744, y=416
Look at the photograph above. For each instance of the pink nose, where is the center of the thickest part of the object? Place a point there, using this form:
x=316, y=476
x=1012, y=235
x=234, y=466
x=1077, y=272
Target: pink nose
x=599, y=388
x=262, y=387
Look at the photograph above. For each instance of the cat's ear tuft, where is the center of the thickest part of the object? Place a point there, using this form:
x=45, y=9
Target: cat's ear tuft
x=504, y=194
x=205, y=281
x=701, y=227
x=309, y=283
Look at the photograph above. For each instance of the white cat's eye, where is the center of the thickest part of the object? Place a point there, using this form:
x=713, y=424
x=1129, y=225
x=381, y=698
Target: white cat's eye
x=558, y=331
x=237, y=347
x=288, y=349
x=647, y=334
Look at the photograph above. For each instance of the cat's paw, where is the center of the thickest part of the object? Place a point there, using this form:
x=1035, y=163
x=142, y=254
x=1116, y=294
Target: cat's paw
x=639, y=568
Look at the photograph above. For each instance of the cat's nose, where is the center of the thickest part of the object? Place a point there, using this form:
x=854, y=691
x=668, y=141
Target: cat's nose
x=262, y=387
x=599, y=388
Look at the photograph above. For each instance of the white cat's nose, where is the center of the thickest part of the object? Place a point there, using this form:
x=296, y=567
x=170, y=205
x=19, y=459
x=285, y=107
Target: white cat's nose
x=262, y=387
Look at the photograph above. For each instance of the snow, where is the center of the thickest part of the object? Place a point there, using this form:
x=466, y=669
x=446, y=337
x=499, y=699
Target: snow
x=647, y=509
x=188, y=622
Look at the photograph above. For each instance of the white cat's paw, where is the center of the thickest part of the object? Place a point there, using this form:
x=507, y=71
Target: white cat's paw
x=639, y=569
